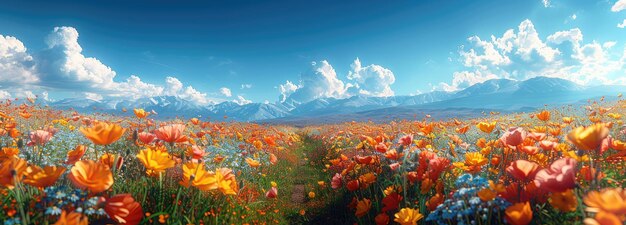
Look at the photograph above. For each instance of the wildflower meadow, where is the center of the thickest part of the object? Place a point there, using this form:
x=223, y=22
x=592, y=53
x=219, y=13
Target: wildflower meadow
x=558, y=165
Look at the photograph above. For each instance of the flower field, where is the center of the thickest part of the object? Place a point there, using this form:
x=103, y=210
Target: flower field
x=560, y=165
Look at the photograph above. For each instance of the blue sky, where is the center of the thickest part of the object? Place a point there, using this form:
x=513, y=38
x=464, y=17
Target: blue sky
x=198, y=50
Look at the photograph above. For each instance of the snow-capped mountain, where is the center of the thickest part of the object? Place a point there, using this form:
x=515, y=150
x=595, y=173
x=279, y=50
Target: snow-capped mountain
x=496, y=94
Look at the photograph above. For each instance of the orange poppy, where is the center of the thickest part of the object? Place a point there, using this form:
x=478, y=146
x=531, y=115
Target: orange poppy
x=72, y=218
x=519, y=214
x=11, y=170
x=103, y=133
x=544, y=115
x=74, y=155
x=93, y=176
x=38, y=177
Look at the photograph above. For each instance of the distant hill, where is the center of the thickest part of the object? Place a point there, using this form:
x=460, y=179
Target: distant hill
x=492, y=95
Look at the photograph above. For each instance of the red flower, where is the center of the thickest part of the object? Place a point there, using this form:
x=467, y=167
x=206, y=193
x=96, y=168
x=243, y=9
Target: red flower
x=272, y=193
x=391, y=202
x=523, y=170
x=353, y=185
x=406, y=140
x=124, y=209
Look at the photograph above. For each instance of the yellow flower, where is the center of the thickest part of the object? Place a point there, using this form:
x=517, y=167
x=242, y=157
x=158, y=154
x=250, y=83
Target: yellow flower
x=253, y=163
x=155, y=161
x=486, y=127
x=140, y=113
x=103, y=133
x=408, y=216
x=195, y=175
x=588, y=138
x=565, y=201
x=475, y=159
x=311, y=194
x=362, y=207
x=227, y=183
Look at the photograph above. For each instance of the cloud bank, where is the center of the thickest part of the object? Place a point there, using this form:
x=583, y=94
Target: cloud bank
x=61, y=66
x=521, y=54
x=321, y=81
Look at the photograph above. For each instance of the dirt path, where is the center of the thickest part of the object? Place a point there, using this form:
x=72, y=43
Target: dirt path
x=298, y=194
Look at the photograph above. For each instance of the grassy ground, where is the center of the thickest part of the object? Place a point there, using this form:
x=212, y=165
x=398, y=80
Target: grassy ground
x=326, y=207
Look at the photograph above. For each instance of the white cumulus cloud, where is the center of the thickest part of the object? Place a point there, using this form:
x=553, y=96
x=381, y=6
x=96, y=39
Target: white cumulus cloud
x=322, y=81
x=16, y=65
x=619, y=6
x=521, y=54
x=372, y=80
x=226, y=92
x=622, y=24
x=61, y=66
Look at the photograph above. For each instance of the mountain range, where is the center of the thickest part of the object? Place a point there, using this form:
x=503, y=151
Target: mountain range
x=493, y=95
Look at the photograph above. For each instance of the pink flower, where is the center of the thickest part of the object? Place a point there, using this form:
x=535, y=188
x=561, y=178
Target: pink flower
x=197, y=152
x=272, y=193
x=336, y=182
x=394, y=166
x=39, y=137
x=171, y=133
x=559, y=177
x=537, y=136
x=52, y=130
x=606, y=144
x=514, y=137
x=146, y=137
x=406, y=140
x=547, y=145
